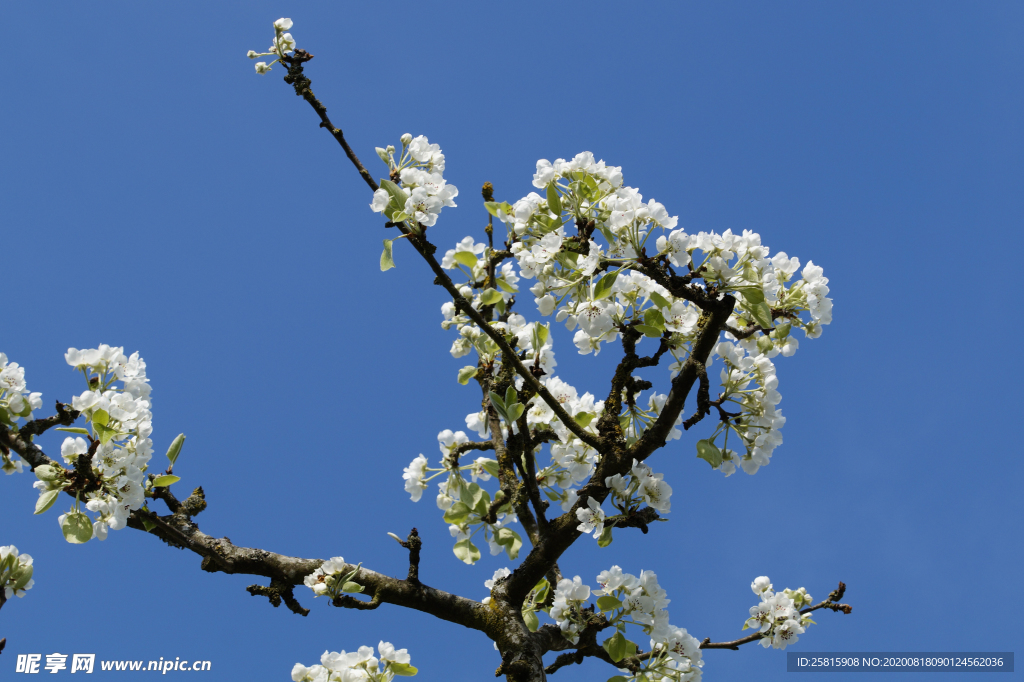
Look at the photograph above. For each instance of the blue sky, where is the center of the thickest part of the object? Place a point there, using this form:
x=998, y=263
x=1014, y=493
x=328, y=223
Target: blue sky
x=159, y=195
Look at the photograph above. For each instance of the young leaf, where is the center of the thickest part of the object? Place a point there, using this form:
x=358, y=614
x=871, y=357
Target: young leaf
x=352, y=587
x=584, y=418
x=166, y=480
x=554, y=202
x=531, y=620
x=498, y=403
x=603, y=288
x=660, y=300
x=402, y=669
x=511, y=396
x=396, y=192
x=104, y=432
x=46, y=500
x=490, y=296
x=762, y=314
x=386, y=260
x=605, y=538
x=490, y=466
x=515, y=411
x=74, y=429
x=100, y=417
x=650, y=332
x=618, y=647
x=77, y=528
x=505, y=286
x=466, y=551
x=710, y=453
x=608, y=603
x=466, y=373
x=399, y=217
x=653, y=318
x=147, y=524
x=457, y=513
x=467, y=258
x=175, y=449
x=494, y=206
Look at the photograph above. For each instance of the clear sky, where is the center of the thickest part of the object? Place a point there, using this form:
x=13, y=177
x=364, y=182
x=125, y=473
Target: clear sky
x=157, y=194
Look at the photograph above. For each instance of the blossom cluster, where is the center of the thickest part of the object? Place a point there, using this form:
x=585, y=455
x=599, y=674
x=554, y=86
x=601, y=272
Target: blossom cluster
x=421, y=190
x=777, y=617
x=748, y=382
x=282, y=44
x=16, y=402
x=466, y=505
x=117, y=443
x=15, y=572
x=357, y=666
x=629, y=600
x=331, y=579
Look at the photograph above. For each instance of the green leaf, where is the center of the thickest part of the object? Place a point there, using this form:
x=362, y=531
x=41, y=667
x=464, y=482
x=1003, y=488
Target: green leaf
x=147, y=524
x=74, y=429
x=660, y=300
x=515, y=411
x=100, y=417
x=494, y=206
x=467, y=258
x=540, y=333
x=651, y=332
x=46, y=500
x=498, y=403
x=653, y=318
x=471, y=494
x=554, y=202
x=396, y=192
x=753, y=295
x=505, y=286
x=608, y=603
x=457, y=513
x=387, y=261
x=166, y=480
x=175, y=449
x=490, y=296
x=618, y=678
x=352, y=587
x=710, y=453
x=511, y=396
x=618, y=647
x=584, y=418
x=77, y=528
x=466, y=373
x=466, y=551
x=762, y=314
x=510, y=540
x=603, y=288
x=605, y=538
x=490, y=466
x=782, y=331
x=399, y=217
x=531, y=620
x=402, y=669
x=104, y=432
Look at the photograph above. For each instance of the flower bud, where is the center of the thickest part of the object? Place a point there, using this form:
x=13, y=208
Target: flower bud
x=283, y=24
x=251, y=54
x=406, y=139
x=262, y=68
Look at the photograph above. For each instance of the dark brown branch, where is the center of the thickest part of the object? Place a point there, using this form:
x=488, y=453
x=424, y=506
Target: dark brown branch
x=703, y=398
x=413, y=544
x=65, y=417
x=741, y=334
x=278, y=590
x=3, y=642
x=297, y=79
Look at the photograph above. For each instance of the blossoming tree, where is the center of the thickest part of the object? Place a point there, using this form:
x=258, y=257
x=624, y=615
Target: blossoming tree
x=622, y=277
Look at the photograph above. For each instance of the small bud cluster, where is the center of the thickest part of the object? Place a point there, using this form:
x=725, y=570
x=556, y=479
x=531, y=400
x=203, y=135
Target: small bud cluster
x=357, y=666
x=777, y=618
x=282, y=44
x=15, y=572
